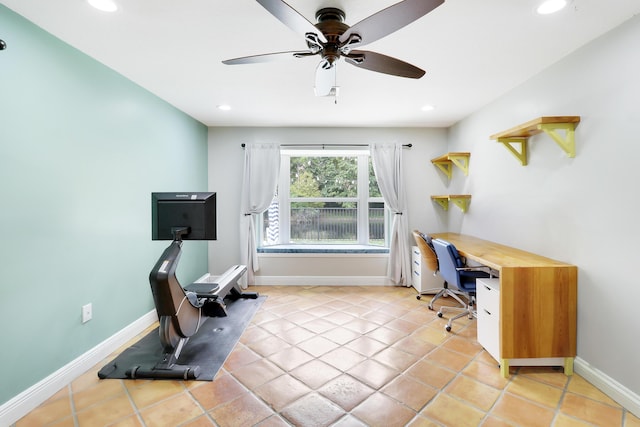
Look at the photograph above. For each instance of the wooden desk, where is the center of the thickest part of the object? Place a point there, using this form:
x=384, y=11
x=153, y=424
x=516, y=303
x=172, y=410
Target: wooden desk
x=538, y=303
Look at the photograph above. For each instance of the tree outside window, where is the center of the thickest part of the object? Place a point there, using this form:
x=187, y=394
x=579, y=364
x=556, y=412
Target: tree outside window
x=326, y=199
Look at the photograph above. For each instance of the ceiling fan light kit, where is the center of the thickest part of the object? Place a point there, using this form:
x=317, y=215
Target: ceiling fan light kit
x=331, y=38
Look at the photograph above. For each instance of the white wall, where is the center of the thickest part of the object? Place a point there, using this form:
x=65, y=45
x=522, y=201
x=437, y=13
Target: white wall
x=225, y=176
x=580, y=210
x=323, y=269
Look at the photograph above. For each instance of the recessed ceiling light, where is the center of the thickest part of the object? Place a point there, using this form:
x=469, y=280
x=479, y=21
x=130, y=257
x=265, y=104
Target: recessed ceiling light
x=224, y=107
x=551, y=6
x=104, y=5
x=428, y=107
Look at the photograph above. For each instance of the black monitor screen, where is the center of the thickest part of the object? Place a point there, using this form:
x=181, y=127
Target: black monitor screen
x=192, y=215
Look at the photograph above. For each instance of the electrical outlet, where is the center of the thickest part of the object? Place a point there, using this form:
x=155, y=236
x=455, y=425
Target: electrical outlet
x=86, y=313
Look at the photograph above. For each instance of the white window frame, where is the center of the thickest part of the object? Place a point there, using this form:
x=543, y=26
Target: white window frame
x=362, y=200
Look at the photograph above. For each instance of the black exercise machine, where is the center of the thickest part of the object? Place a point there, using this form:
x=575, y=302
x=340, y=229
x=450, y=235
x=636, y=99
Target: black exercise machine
x=181, y=311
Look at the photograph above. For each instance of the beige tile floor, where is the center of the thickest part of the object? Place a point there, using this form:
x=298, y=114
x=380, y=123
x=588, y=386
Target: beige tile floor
x=342, y=356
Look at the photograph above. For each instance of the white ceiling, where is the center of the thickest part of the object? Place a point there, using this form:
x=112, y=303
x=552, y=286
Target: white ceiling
x=473, y=52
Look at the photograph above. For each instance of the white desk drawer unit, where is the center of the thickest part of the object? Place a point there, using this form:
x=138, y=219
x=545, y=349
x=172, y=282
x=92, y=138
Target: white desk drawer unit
x=488, y=307
x=423, y=279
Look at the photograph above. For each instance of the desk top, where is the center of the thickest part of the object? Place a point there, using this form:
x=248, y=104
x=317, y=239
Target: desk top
x=495, y=255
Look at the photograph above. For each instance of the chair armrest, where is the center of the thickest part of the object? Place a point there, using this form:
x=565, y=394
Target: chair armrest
x=484, y=268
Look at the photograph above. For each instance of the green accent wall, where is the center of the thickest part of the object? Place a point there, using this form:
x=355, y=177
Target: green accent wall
x=81, y=149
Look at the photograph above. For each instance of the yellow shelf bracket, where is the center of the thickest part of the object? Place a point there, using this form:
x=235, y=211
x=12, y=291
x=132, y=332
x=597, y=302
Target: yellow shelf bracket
x=521, y=154
x=566, y=142
x=461, y=201
x=442, y=201
x=445, y=167
x=445, y=163
x=552, y=126
x=461, y=161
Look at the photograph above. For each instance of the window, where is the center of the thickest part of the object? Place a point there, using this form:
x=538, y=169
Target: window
x=326, y=197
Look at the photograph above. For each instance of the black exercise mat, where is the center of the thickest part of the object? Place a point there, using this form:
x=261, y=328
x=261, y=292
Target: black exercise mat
x=208, y=348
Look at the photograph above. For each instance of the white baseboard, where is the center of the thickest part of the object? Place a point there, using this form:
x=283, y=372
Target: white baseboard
x=616, y=391
x=323, y=280
x=31, y=398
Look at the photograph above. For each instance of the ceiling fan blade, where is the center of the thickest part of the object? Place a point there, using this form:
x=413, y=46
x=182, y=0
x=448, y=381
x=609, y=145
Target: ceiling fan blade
x=388, y=20
x=291, y=18
x=266, y=57
x=325, y=78
x=373, y=61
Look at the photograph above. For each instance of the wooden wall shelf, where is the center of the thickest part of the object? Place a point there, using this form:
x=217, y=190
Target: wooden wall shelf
x=460, y=200
x=516, y=138
x=445, y=163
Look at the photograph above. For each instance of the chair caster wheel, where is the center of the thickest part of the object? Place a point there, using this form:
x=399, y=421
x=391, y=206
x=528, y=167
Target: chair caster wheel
x=439, y=314
x=430, y=307
x=417, y=297
x=448, y=328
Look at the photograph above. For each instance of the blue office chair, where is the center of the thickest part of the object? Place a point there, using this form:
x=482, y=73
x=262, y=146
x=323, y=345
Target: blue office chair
x=430, y=260
x=459, y=276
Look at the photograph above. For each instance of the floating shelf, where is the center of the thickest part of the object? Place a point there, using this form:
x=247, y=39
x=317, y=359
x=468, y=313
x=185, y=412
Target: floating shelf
x=445, y=163
x=515, y=139
x=460, y=200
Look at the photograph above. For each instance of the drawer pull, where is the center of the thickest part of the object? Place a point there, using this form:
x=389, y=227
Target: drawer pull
x=487, y=311
x=487, y=287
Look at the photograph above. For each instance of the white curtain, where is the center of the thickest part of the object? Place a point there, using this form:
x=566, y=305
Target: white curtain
x=259, y=183
x=387, y=165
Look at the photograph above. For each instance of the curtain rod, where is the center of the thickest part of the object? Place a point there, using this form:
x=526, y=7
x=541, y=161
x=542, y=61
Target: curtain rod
x=328, y=145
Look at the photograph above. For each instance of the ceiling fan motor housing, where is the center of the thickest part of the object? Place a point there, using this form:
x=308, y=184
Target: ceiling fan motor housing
x=330, y=14
x=331, y=24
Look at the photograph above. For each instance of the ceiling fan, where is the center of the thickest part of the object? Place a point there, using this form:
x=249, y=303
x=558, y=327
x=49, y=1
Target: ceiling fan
x=331, y=39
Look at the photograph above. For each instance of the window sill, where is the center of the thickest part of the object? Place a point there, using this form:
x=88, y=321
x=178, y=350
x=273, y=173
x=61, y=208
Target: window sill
x=323, y=249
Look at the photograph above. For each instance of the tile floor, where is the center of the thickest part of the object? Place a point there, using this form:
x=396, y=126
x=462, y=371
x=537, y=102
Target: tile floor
x=342, y=356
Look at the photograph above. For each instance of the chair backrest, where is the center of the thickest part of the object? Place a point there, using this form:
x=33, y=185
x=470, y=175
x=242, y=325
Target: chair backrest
x=426, y=250
x=449, y=261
